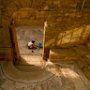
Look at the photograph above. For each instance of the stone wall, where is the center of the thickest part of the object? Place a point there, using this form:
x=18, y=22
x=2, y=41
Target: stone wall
x=68, y=32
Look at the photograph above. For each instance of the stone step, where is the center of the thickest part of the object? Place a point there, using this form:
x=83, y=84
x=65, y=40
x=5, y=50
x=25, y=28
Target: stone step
x=82, y=50
x=31, y=59
x=57, y=55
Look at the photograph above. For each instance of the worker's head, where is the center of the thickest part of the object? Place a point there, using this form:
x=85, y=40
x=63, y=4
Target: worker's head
x=33, y=41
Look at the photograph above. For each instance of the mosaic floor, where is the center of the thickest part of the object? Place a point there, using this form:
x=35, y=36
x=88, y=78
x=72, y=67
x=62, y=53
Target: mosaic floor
x=51, y=77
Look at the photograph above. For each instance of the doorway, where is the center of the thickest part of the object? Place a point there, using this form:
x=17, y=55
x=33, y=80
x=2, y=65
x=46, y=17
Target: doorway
x=25, y=34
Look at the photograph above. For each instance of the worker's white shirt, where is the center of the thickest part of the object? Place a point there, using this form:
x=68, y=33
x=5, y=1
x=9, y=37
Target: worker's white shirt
x=30, y=43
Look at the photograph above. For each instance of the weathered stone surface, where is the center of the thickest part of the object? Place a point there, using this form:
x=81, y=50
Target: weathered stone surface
x=71, y=78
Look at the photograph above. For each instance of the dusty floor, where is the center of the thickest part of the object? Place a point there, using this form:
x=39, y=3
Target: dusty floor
x=51, y=77
x=26, y=34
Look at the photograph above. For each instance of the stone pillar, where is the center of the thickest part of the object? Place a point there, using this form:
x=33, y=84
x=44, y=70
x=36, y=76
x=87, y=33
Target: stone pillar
x=45, y=50
x=14, y=43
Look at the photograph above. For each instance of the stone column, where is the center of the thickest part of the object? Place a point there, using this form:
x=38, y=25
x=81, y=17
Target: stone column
x=45, y=49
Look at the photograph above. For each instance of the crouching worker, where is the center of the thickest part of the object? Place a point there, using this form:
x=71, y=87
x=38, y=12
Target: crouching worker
x=32, y=45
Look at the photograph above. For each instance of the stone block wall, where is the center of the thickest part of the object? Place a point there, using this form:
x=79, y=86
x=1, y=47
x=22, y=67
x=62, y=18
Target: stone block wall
x=71, y=34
